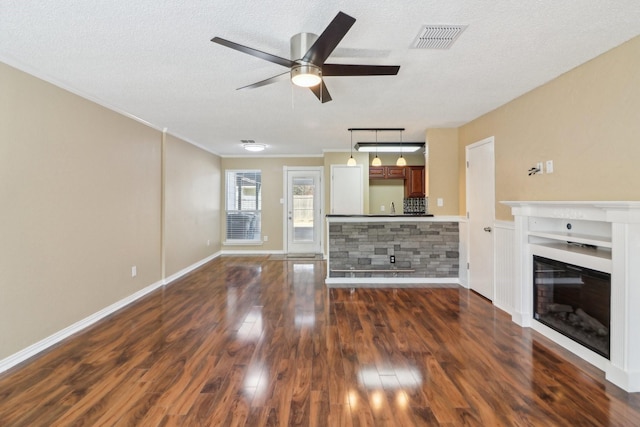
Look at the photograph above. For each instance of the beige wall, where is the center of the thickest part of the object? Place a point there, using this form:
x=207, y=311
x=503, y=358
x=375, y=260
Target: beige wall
x=80, y=192
x=272, y=192
x=442, y=171
x=192, y=204
x=587, y=121
x=383, y=192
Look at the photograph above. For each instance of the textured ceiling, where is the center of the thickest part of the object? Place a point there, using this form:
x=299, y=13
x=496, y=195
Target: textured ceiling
x=153, y=59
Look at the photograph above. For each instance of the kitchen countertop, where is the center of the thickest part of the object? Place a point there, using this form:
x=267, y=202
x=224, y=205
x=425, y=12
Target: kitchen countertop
x=380, y=216
x=373, y=218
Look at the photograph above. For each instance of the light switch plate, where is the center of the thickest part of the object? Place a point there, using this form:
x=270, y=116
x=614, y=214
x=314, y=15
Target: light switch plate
x=549, y=166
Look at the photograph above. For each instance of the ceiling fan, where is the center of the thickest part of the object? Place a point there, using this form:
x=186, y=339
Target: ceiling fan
x=308, y=52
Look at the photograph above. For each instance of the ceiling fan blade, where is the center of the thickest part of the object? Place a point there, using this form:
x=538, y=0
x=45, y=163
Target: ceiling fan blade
x=254, y=52
x=265, y=82
x=321, y=92
x=329, y=39
x=359, y=70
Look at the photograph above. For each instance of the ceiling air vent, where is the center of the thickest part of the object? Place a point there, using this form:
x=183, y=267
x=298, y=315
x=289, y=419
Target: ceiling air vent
x=437, y=36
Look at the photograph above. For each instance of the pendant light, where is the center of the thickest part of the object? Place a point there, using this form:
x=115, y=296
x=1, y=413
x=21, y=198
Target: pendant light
x=376, y=161
x=401, y=160
x=351, y=161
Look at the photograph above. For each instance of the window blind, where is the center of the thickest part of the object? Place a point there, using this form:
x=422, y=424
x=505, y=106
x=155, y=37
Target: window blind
x=243, y=204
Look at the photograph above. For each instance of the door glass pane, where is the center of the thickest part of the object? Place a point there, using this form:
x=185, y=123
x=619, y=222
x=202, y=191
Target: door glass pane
x=302, y=215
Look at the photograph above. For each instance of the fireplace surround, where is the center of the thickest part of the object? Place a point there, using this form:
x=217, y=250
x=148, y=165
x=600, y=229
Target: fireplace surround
x=598, y=236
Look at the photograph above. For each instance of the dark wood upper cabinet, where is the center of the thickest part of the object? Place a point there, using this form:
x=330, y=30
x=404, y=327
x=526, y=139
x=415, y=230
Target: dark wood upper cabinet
x=413, y=177
x=387, y=172
x=396, y=172
x=377, y=172
x=414, y=184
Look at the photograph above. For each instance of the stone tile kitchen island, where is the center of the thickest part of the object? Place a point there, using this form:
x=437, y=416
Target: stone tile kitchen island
x=392, y=250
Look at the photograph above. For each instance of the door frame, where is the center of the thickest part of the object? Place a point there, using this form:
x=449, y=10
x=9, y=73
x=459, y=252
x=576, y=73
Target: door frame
x=285, y=204
x=488, y=140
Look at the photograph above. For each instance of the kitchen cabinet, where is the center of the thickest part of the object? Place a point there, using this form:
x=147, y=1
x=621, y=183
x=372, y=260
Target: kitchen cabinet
x=377, y=172
x=396, y=172
x=414, y=182
x=387, y=172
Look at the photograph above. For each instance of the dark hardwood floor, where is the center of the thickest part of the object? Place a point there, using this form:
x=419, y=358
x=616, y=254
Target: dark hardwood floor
x=251, y=341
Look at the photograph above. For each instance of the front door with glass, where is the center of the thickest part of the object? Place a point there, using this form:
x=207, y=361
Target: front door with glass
x=303, y=211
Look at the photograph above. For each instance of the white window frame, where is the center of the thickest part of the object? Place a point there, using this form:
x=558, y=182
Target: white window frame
x=255, y=215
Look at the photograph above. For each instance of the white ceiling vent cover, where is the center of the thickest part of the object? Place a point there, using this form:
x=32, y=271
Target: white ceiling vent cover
x=437, y=36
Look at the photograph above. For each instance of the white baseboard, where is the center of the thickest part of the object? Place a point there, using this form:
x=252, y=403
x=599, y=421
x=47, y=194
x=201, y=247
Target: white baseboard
x=190, y=268
x=51, y=340
x=391, y=282
x=250, y=252
x=28, y=352
x=628, y=381
x=521, y=319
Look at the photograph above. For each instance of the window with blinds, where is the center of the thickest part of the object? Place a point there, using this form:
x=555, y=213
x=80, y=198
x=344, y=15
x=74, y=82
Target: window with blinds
x=243, y=205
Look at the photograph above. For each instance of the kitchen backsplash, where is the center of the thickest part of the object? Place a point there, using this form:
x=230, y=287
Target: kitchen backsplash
x=415, y=205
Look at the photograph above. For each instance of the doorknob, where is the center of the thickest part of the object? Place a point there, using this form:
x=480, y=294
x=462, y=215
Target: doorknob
x=487, y=229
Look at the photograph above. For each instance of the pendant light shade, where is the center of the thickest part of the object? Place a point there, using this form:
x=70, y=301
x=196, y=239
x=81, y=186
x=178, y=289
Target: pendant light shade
x=401, y=160
x=376, y=160
x=351, y=161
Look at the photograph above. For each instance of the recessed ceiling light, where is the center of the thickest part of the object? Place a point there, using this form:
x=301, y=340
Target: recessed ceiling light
x=251, y=145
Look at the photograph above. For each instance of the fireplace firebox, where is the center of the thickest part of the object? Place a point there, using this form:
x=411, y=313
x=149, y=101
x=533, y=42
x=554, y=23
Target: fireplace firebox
x=574, y=301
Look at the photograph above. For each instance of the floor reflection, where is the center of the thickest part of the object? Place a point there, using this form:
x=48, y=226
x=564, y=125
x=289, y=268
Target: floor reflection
x=252, y=327
x=402, y=377
x=243, y=312
x=255, y=380
x=303, y=291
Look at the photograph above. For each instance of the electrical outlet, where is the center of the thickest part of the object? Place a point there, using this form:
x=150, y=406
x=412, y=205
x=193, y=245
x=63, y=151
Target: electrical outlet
x=265, y=238
x=440, y=202
x=382, y=208
x=208, y=242
x=134, y=271
x=540, y=168
x=392, y=259
x=549, y=166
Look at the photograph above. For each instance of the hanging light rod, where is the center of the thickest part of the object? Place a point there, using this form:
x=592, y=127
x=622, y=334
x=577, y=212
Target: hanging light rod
x=389, y=147
x=375, y=129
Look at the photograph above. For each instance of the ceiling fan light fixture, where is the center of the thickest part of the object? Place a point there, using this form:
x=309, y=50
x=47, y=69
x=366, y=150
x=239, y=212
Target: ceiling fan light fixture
x=306, y=75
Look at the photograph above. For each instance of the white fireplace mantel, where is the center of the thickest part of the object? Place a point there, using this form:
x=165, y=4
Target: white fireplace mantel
x=543, y=228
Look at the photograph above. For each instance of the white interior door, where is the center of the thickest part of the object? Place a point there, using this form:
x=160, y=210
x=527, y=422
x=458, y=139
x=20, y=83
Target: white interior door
x=481, y=216
x=304, y=211
x=347, y=190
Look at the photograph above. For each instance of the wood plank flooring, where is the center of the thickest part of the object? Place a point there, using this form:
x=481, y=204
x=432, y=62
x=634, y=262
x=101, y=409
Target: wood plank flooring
x=253, y=341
